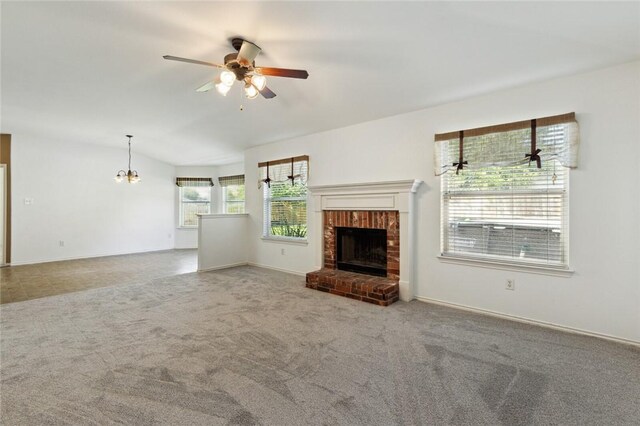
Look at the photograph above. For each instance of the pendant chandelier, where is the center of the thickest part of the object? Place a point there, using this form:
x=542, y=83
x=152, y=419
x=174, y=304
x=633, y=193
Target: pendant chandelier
x=131, y=176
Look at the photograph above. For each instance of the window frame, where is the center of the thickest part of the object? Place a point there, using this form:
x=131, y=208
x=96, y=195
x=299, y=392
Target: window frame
x=181, y=203
x=225, y=201
x=266, y=216
x=501, y=261
x=520, y=222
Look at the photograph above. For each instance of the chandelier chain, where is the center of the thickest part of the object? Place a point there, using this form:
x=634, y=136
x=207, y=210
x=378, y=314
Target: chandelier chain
x=129, y=152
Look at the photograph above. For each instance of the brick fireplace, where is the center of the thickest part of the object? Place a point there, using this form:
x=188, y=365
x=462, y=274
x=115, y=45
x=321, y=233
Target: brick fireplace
x=383, y=206
x=361, y=286
x=362, y=219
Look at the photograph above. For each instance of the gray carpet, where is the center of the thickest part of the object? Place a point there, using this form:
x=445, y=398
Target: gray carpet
x=253, y=346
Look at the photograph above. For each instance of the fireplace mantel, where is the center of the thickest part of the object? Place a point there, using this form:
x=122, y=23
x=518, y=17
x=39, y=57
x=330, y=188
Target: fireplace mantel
x=410, y=185
x=372, y=196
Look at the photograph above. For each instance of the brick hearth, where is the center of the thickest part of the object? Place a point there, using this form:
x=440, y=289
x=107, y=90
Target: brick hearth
x=377, y=290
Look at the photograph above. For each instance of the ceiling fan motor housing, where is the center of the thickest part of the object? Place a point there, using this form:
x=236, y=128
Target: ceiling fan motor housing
x=232, y=64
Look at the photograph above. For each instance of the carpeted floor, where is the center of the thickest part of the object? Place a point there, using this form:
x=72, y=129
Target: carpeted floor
x=26, y=282
x=253, y=346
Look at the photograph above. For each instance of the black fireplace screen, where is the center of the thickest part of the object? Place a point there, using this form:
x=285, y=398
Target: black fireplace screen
x=362, y=250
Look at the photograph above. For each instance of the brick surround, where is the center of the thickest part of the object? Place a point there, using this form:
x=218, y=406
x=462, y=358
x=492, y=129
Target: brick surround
x=387, y=220
x=379, y=290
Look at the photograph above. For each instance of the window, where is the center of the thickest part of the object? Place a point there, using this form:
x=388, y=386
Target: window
x=499, y=205
x=195, y=199
x=285, y=197
x=232, y=193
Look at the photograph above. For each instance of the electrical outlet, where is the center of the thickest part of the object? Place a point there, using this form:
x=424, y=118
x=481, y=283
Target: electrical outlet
x=61, y=243
x=282, y=252
x=510, y=284
x=28, y=201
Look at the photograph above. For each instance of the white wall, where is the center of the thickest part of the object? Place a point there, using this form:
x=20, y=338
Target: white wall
x=188, y=237
x=75, y=199
x=602, y=296
x=222, y=241
x=231, y=169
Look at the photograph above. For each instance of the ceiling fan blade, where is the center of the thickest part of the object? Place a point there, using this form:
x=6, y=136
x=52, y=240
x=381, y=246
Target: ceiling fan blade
x=267, y=93
x=206, y=87
x=248, y=52
x=192, y=61
x=282, y=72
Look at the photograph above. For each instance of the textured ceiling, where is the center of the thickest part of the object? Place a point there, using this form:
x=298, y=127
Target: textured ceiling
x=93, y=71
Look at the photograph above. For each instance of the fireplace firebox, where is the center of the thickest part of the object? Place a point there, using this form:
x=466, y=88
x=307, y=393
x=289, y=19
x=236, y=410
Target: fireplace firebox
x=362, y=250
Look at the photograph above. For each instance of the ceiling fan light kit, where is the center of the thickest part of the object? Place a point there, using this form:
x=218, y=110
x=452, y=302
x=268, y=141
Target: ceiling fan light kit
x=250, y=91
x=240, y=66
x=222, y=87
x=227, y=77
x=259, y=81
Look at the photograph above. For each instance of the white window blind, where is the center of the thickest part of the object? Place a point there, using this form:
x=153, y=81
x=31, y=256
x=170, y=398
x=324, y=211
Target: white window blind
x=232, y=193
x=502, y=207
x=284, y=184
x=194, y=198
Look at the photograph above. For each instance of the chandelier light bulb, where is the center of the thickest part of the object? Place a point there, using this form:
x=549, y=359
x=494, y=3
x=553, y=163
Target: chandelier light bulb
x=260, y=81
x=227, y=78
x=250, y=91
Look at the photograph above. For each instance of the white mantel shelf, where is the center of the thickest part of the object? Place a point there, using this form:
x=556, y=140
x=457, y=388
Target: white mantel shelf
x=387, y=195
x=410, y=185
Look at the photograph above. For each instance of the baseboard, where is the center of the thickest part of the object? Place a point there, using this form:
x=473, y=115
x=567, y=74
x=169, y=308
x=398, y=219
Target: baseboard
x=62, y=259
x=216, y=268
x=288, y=271
x=529, y=321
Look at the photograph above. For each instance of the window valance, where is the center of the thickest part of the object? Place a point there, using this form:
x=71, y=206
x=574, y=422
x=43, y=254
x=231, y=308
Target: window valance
x=194, y=181
x=520, y=142
x=293, y=169
x=231, y=180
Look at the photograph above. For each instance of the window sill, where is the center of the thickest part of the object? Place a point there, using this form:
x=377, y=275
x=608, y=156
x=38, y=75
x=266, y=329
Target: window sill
x=491, y=264
x=285, y=240
x=194, y=227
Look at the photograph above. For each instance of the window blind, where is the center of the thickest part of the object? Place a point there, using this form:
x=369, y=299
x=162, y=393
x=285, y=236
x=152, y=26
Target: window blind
x=233, y=193
x=193, y=181
x=508, y=144
x=194, y=201
x=500, y=205
x=284, y=183
x=231, y=180
x=281, y=170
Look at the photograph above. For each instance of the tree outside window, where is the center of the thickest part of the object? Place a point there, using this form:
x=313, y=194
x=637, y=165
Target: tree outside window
x=194, y=201
x=233, y=199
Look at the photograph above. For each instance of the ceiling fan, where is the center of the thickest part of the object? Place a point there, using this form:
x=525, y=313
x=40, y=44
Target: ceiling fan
x=242, y=67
